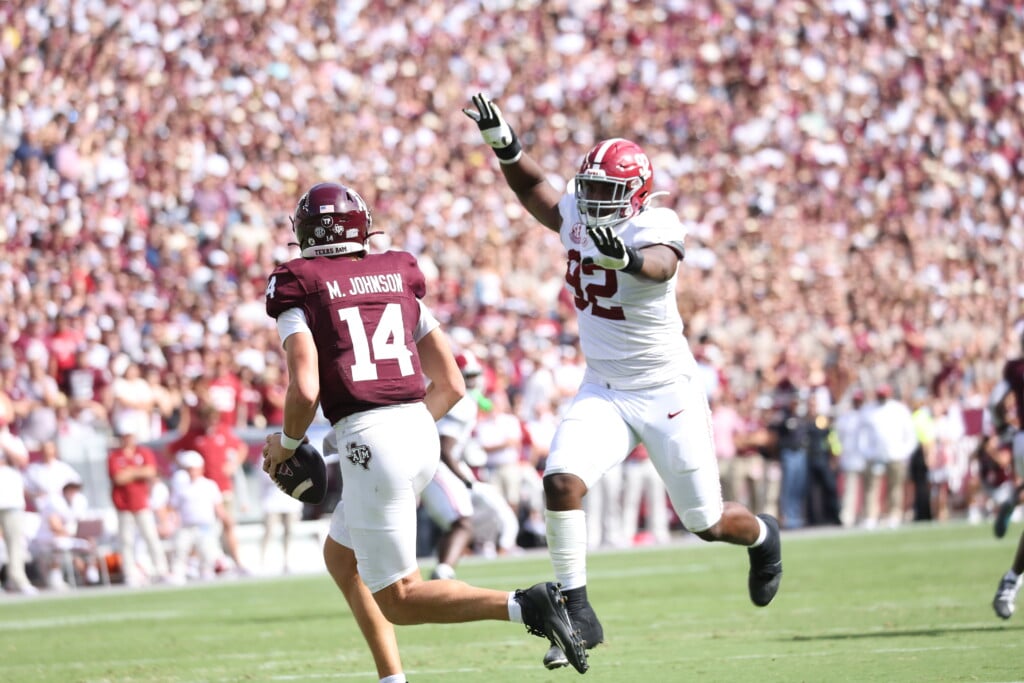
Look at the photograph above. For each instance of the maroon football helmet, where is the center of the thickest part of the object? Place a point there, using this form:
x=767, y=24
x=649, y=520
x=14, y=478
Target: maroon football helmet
x=331, y=220
x=614, y=183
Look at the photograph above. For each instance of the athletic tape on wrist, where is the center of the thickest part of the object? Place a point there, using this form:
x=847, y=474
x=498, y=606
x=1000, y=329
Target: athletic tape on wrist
x=288, y=443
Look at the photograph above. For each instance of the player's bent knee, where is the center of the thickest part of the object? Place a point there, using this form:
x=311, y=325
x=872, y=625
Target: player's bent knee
x=340, y=561
x=394, y=605
x=702, y=521
x=462, y=524
x=563, y=489
x=392, y=609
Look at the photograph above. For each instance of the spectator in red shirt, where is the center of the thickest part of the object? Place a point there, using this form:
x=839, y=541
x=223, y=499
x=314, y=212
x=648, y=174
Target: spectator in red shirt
x=85, y=384
x=63, y=347
x=225, y=391
x=132, y=469
x=222, y=453
x=272, y=386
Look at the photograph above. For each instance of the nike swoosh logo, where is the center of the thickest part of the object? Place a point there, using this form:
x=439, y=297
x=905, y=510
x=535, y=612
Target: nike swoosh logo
x=671, y=415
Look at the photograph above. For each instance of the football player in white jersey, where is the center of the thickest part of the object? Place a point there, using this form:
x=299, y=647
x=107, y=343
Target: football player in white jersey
x=641, y=383
x=447, y=498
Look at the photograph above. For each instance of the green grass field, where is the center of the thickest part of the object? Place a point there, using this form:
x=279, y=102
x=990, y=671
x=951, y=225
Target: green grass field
x=905, y=605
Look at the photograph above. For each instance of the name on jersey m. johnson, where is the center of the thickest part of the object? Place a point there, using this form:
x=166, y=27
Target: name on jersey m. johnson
x=367, y=284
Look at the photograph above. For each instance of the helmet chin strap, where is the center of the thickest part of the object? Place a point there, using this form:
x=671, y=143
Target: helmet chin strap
x=652, y=195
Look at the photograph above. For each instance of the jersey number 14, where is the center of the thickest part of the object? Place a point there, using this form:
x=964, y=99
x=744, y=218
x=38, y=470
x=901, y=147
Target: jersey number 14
x=386, y=343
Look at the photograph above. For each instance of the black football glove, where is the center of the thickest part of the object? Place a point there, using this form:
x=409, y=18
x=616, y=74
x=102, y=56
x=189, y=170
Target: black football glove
x=494, y=129
x=613, y=253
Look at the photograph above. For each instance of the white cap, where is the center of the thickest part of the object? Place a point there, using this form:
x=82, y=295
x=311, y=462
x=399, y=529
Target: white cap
x=190, y=459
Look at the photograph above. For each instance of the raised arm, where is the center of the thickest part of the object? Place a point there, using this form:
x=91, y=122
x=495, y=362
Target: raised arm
x=522, y=173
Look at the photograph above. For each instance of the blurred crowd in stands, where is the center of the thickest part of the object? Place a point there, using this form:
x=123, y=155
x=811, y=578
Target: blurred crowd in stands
x=850, y=173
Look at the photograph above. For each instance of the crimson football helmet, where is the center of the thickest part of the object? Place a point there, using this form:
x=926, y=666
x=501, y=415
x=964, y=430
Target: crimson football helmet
x=614, y=183
x=331, y=220
x=468, y=364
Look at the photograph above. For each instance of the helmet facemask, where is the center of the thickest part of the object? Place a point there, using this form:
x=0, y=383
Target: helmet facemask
x=605, y=201
x=613, y=184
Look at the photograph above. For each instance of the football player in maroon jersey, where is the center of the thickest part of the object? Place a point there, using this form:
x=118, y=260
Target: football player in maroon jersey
x=1010, y=389
x=358, y=341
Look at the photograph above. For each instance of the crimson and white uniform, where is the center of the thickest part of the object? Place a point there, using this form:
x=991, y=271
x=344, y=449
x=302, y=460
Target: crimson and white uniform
x=446, y=498
x=641, y=382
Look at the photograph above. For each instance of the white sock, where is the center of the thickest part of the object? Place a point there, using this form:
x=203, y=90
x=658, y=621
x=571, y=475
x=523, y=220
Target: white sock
x=1011, y=575
x=515, y=611
x=762, y=534
x=394, y=678
x=567, y=546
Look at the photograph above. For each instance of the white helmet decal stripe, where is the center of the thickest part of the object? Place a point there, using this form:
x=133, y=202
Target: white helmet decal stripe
x=603, y=149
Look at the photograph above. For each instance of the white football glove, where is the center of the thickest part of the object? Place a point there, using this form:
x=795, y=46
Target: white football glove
x=494, y=129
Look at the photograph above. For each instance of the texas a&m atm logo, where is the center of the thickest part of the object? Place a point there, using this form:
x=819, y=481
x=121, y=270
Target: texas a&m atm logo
x=359, y=454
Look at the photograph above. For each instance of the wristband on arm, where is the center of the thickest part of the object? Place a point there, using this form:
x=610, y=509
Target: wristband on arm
x=288, y=443
x=511, y=153
x=636, y=261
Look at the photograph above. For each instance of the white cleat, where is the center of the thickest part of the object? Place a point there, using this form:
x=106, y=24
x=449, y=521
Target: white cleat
x=555, y=658
x=1006, y=596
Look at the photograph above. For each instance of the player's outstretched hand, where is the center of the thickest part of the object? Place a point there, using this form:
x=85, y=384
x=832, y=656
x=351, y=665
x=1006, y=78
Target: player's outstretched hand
x=494, y=129
x=612, y=251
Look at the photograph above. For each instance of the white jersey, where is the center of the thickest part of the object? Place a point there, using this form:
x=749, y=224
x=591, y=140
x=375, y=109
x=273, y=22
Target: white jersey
x=459, y=422
x=851, y=431
x=631, y=332
x=196, y=500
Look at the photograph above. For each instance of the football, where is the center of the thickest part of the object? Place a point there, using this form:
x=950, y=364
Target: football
x=304, y=475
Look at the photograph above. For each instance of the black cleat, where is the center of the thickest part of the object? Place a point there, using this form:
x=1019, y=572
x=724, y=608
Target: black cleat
x=766, y=565
x=584, y=618
x=545, y=615
x=1003, y=515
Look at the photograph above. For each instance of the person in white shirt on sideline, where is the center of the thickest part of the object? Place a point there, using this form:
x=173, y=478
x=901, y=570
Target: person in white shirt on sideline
x=47, y=477
x=55, y=539
x=850, y=432
x=13, y=458
x=279, y=511
x=603, y=508
x=891, y=440
x=200, y=507
x=641, y=483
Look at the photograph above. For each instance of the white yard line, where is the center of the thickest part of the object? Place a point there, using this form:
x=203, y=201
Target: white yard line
x=76, y=620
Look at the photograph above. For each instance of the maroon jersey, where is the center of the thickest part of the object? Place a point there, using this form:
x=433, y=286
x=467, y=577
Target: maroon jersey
x=362, y=313
x=1013, y=374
